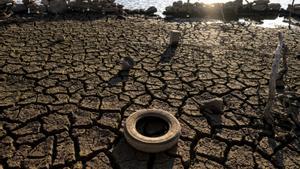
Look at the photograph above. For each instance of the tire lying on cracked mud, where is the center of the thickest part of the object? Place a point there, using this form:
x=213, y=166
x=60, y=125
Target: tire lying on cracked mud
x=166, y=124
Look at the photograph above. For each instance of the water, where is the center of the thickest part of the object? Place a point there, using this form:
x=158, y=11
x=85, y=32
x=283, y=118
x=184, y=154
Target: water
x=162, y=4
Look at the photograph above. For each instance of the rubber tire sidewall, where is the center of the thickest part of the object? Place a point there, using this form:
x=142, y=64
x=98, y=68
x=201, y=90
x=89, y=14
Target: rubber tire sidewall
x=152, y=144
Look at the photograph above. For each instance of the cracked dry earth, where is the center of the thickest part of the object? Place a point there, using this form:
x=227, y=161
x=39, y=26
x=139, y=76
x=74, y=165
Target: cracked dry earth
x=63, y=104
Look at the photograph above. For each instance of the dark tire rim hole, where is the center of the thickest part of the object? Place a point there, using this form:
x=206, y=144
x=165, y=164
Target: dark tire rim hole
x=152, y=126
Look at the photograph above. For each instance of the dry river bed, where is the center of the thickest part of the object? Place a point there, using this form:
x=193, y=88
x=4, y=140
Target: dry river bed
x=63, y=103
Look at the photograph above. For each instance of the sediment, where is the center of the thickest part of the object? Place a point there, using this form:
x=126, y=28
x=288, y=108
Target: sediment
x=63, y=103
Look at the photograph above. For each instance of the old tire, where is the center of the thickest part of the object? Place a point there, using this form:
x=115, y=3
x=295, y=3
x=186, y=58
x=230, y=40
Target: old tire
x=152, y=144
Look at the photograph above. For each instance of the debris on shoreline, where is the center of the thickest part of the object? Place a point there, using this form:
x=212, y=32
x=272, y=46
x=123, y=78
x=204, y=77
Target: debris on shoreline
x=6, y=8
x=230, y=11
x=59, y=7
x=9, y=8
x=233, y=10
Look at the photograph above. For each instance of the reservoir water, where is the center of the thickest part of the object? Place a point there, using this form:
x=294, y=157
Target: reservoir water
x=162, y=4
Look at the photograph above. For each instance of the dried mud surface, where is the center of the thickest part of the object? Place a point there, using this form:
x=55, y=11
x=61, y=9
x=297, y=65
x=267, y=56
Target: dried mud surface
x=63, y=103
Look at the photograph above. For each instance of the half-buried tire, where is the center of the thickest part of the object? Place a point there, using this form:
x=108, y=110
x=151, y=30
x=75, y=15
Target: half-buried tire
x=152, y=130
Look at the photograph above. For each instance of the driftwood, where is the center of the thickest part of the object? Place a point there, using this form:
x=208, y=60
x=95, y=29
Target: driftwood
x=280, y=51
x=283, y=71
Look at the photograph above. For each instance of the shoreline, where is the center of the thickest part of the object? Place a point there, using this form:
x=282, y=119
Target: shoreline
x=96, y=16
x=234, y=10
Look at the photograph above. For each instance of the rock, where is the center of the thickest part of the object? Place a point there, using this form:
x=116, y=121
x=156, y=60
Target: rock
x=128, y=11
x=120, y=6
x=60, y=38
x=32, y=6
x=151, y=10
x=296, y=9
x=45, y=2
x=234, y=4
x=127, y=63
x=232, y=7
x=177, y=4
x=141, y=11
x=168, y=10
x=134, y=11
x=215, y=105
x=19, y=8
x=4, y=2
x=262, y=1
x=26, y=2
x=274, y=6
x=238, y=3
x=121, y=17
x=259, y=7
x=111, y=10
x=57, y=6
x=6, y=8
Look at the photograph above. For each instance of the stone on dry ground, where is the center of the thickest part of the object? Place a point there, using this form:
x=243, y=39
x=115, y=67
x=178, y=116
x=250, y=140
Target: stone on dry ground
x=58, y=109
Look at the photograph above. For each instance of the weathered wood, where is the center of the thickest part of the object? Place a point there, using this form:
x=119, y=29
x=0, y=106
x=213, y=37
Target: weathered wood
x=272, y=83
x=175, y=37
x=283, y=71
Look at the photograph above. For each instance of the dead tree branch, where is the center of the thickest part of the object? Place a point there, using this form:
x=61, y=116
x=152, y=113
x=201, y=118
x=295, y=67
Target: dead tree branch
x=273, y=77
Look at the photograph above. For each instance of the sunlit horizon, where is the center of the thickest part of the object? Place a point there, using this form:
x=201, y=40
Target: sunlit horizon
x=164, y=3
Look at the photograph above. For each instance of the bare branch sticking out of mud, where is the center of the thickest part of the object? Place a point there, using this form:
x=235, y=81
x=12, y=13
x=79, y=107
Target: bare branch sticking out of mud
x=273, y=78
